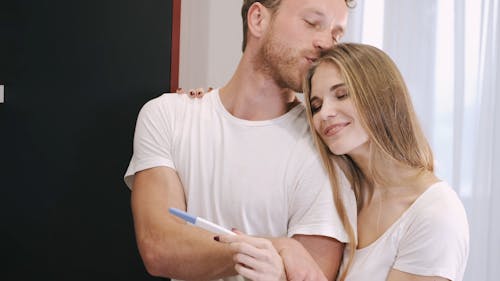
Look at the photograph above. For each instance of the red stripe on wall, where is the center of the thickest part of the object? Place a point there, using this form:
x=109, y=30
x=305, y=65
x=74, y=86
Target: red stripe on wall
x=176, y=31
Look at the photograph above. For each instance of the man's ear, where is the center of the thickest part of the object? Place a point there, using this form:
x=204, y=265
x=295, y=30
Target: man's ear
x=259, y=19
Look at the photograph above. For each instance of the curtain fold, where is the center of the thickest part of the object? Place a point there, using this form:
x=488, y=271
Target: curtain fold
x=484, y=210
x=408, y=30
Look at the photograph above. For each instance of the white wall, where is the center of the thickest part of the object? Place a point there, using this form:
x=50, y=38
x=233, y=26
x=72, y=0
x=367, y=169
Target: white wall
x=210, y=42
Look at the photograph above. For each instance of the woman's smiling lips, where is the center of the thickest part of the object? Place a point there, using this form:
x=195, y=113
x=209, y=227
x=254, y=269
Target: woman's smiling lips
x=334, y=129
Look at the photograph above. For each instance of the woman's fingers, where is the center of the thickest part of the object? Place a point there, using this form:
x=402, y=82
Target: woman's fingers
x=199, y=92
x=194, y=93
x=255, y=258
x=246, y=272
x=260, y=243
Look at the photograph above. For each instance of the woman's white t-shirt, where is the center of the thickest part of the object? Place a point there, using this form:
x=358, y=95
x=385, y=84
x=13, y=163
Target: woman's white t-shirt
x=431, y=238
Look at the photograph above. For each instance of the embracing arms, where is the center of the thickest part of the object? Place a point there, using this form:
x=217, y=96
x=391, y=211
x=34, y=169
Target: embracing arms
x=283, y=258
x=170, y=248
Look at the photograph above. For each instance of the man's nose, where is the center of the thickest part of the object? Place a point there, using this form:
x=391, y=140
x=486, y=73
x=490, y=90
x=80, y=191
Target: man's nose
x=323, y=40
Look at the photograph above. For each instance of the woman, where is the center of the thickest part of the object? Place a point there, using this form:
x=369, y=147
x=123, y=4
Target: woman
x=411, y=225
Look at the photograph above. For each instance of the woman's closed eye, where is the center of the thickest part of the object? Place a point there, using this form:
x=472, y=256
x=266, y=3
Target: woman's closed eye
x=315, y=106
x=341, y=94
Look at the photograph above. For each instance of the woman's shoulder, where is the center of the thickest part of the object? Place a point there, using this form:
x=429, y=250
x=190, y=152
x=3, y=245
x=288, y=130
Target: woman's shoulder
x=439, y=198
x=439, y=208
x=435, y=239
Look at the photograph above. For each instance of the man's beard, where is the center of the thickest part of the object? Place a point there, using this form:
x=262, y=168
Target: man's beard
x=280, y=62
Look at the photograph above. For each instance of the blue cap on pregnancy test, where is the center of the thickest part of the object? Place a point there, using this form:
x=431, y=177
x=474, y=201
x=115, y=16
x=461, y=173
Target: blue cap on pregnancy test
x=183, y=215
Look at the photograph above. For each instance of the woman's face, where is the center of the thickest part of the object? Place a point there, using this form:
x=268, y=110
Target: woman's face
x=335, y=117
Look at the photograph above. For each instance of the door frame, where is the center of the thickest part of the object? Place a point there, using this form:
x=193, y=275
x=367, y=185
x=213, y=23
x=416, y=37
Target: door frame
x=174, y=57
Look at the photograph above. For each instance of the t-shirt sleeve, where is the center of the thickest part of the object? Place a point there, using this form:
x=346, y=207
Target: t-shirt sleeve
x=435, y=244
x=152, y=139
x=312, y=207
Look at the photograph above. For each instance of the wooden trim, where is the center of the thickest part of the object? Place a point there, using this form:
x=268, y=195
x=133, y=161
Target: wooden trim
x=174, y=59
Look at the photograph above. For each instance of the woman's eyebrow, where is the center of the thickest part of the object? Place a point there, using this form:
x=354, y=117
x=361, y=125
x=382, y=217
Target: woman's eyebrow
x=334, y=87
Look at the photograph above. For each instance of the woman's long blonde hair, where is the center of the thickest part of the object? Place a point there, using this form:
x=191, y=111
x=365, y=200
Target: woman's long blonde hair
x=384, y=105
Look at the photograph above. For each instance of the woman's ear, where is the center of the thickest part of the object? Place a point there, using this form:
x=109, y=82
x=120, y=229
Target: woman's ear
x=259, y=18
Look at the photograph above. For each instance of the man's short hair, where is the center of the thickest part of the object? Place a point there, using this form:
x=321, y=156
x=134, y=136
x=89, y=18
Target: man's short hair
x=270, y=4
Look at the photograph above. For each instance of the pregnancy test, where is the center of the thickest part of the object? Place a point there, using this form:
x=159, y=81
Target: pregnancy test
x=200, y=222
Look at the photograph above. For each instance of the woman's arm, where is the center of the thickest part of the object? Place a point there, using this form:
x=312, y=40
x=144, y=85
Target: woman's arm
x=396, y=275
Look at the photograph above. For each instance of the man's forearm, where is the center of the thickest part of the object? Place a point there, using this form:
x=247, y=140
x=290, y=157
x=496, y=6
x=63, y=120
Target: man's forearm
x=168, y=246
x=187, y=254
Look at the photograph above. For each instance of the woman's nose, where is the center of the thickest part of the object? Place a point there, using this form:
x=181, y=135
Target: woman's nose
x=328, y=110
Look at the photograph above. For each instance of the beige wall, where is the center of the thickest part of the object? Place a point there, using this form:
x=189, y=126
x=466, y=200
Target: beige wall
x=210, y=44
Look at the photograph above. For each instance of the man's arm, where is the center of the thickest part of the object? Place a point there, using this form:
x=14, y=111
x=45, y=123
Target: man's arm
x=168, y=246
x=310, y=257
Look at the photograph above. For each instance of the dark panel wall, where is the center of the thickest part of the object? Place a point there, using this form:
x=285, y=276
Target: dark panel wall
x=76, y=74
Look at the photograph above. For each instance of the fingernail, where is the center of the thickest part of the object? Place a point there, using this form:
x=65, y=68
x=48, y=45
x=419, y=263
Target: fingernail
x=216, y=238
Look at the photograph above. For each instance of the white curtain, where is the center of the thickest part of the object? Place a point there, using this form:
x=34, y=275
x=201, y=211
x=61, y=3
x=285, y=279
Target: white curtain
x=449, y=54
x=483, y=208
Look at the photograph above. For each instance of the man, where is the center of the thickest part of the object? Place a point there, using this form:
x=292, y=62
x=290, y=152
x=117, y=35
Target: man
x=242, y=157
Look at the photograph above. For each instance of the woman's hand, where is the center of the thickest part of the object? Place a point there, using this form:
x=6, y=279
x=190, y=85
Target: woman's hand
x=194, y=93
x=256, y=258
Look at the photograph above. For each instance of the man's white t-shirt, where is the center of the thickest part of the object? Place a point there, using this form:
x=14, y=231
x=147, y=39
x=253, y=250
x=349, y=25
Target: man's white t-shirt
x=430, y=239
x=261, y=177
